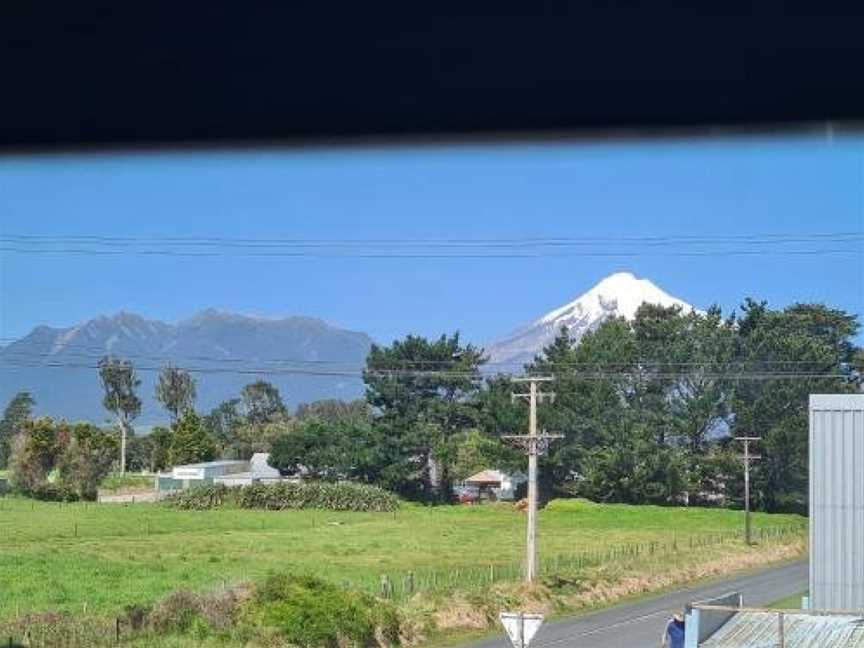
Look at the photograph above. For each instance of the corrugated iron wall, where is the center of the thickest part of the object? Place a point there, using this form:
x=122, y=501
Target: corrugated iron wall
x=837, y=501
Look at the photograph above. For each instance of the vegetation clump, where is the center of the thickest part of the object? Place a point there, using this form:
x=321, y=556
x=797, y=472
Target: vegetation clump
x=340, y=496
x=310, y=612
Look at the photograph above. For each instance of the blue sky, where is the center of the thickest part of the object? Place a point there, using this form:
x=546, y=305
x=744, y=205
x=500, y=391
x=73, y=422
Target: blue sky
x=740, y=186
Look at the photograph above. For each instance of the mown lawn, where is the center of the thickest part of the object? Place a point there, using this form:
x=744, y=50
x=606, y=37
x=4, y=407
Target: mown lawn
x=66, y=557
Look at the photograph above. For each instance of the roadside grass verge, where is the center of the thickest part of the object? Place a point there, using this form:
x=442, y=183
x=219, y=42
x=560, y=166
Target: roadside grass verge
x=789, y=603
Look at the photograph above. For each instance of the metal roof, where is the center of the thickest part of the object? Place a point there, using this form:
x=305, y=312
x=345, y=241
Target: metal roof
x=761, y=629
x=486, y=477
x=214, y=464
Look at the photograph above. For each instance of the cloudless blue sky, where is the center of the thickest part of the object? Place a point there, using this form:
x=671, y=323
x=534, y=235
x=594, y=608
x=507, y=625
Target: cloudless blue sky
x=738, y=186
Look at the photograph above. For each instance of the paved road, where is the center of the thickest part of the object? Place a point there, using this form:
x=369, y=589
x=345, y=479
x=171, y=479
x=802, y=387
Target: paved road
x=639, y=625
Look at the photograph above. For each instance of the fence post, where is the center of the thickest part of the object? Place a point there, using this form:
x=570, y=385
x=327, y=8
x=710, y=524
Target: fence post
x=782, y=637
x=386, y=589
x=491, y=573
x=117, y=629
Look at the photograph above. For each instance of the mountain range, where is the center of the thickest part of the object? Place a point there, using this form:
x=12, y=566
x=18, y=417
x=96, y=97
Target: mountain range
x=306, y=358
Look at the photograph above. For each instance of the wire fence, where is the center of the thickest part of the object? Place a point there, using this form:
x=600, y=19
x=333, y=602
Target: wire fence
x=400, y=585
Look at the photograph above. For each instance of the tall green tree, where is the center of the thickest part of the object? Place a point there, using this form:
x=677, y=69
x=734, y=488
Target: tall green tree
x=787, y=354
x=190, y=442
x=119, y=384
x=262, y=403
x=331, y=450
x=86, y=458
x=175, y=389
x=35, y=450
x=422, y=393
x=334, y=410
x=161, y=440
x=18, y=411
x=594, y=398
x=224, y=424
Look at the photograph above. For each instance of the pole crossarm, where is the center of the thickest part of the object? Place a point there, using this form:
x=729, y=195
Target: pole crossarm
x=538, y=444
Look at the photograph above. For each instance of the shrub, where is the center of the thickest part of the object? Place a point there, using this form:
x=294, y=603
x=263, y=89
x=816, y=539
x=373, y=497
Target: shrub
x=54, y=493
x=342, y=496
x=184, y=611
x=201, y=498
x=310, y=612
x=176, y=612
x=86, y=458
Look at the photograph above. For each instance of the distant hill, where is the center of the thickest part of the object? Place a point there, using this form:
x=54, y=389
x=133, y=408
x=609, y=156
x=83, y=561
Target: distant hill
x=304, y=356
x=618, y=295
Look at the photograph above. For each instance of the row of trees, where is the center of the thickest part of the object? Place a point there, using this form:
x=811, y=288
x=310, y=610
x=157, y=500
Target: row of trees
x=648, y=409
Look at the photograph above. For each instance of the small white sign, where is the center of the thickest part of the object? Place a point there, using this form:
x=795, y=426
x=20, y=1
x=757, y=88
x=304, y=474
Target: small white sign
x=521, y=627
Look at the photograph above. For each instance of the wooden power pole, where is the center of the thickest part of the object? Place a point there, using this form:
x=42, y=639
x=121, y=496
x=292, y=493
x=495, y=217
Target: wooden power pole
x=533, y=444
x=747, y=458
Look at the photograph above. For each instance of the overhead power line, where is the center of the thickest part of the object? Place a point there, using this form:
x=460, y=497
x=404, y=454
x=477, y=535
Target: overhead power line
x=180, y=359
x=826, y=243
x=453, y=374
x=569, y=240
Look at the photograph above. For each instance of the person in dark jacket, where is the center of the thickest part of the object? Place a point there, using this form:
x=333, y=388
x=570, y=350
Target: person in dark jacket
x=673, y=635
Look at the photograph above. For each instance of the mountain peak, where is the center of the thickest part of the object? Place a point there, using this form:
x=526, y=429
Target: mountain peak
x=618, y=295
x=622, y=292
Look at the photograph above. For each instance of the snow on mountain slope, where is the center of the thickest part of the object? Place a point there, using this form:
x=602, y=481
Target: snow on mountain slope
x=619, y=294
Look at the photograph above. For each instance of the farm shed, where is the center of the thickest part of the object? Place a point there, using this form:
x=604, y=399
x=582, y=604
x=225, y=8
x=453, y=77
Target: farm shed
x=837, y=501
x=259, y=472
x=495, y=484
x=759, y=628
x=195, y=474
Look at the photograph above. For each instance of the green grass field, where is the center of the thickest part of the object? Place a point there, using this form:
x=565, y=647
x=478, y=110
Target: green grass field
x=66, y=557
x=117, y=483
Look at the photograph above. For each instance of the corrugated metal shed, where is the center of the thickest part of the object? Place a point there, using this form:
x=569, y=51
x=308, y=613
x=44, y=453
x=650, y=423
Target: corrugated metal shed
x=761, y=629
x=837, y=501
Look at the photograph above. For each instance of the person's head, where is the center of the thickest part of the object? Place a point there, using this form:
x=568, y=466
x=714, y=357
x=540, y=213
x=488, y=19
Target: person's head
x=678, y=617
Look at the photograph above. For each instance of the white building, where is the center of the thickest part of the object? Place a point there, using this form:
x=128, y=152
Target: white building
x=231, y=472
x=495, y=484
x=259, y=472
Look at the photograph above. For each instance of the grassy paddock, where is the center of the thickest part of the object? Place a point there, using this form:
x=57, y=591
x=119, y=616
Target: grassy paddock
x=117, y=483
x=81, y=556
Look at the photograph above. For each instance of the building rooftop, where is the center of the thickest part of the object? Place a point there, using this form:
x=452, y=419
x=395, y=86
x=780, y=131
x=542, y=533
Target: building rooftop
x=214, y=464
x=761, y=629
x=486, y=477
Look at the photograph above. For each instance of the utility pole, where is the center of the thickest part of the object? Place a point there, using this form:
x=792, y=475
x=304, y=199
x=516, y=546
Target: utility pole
x=747, y=458
x=533, y=444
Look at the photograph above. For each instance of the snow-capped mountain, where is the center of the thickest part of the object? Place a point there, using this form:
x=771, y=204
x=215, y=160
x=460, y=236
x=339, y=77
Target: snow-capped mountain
x=619, y=294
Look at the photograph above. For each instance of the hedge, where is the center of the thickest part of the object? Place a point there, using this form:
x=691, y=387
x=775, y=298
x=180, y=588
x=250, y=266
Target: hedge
x=341, y=496
x=201, y=498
